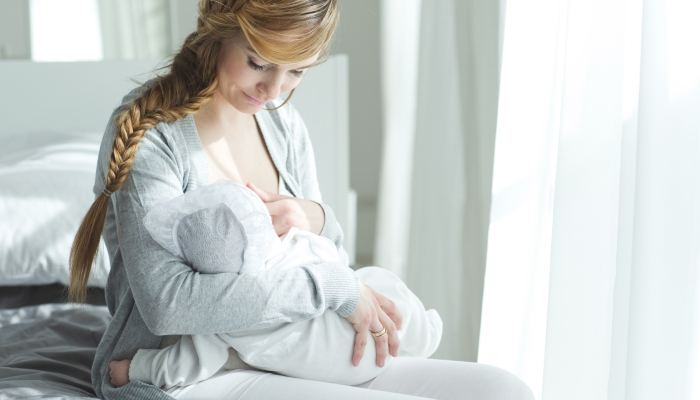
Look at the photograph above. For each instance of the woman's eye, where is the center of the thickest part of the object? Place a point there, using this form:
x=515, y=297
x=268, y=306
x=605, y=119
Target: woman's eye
x=255, y=66
x=296, y=72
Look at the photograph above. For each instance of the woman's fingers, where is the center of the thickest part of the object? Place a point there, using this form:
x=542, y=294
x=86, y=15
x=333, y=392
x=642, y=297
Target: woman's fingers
x=359, y=349
x=369, y=317
x=381, y=342
x=288, y=211
x=285, y=214
x=389, y=307
x=279, y=218
x=391, y=318
x=361, y=320
x=392, y=334
x=264, y=196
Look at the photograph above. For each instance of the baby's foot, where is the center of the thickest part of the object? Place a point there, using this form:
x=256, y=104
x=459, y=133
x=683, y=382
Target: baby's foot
x=119, y=372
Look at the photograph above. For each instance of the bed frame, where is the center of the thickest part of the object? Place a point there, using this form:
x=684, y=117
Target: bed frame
x=80, y=96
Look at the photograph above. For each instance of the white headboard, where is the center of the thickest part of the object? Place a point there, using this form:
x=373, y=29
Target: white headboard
x=80, y=96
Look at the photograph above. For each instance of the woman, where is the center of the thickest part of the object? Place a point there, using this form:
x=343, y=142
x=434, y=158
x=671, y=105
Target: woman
x=204, y=121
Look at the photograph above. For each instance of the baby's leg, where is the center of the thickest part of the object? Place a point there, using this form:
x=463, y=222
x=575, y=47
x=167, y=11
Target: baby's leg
x=119, y=372
x=191, y=359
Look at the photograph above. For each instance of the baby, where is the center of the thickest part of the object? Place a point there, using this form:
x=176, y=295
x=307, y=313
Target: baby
x=225, y=227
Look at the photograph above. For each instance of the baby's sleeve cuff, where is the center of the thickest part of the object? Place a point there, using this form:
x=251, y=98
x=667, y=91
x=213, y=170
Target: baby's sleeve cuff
x=140, y=368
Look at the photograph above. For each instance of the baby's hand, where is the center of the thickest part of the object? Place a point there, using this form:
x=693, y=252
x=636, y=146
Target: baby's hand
x=119, y=372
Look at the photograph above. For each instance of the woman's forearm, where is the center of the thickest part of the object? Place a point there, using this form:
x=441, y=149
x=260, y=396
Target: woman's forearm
x=201, y=304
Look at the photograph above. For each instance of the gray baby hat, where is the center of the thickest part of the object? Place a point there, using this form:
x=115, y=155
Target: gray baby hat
x=222, y=227
x=212, y=240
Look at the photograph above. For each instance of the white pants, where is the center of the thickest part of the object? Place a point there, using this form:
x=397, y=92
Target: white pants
x=407, y=378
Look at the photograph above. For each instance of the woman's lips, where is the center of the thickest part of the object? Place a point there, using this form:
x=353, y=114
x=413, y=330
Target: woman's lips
x=253, y=100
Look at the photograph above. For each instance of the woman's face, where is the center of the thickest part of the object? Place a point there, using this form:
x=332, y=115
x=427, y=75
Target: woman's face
x=247, y=81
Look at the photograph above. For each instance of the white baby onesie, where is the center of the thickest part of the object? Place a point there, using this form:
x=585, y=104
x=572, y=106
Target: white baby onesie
x=318, y=349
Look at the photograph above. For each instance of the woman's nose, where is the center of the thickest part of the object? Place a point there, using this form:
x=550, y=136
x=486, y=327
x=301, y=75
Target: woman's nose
x=271, y=87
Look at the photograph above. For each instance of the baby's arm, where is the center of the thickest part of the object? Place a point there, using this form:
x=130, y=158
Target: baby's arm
x=191, y=359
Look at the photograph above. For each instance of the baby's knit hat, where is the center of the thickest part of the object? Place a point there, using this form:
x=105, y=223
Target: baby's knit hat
x=222, y=227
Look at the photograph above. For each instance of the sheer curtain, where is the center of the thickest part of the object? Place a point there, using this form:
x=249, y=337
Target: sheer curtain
x=138, y=29
x=440, y=73
x=400, y=46
x=592, y=288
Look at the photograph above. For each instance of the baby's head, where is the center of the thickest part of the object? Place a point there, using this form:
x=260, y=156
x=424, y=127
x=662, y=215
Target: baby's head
x=222, y=227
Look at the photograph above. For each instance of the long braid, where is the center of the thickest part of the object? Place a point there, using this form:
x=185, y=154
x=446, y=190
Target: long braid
x=132, y=128
x=163, y=101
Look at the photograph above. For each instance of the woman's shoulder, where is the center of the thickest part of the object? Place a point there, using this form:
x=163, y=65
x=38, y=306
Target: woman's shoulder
x=177, y=133
x=167, y=143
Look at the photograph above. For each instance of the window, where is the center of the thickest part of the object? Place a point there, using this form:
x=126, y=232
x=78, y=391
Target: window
x=66, y=30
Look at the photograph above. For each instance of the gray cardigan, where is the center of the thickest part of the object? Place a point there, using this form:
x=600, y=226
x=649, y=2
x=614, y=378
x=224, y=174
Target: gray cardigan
x=151, y=293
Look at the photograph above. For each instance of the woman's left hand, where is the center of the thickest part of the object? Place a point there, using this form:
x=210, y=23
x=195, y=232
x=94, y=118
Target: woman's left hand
x=287, y=211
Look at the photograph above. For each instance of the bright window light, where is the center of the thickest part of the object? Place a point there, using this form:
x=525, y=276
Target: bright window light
x=682, y=35
x=65, y=30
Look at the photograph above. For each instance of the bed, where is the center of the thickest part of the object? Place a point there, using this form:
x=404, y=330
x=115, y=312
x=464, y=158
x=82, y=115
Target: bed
x=53, y=117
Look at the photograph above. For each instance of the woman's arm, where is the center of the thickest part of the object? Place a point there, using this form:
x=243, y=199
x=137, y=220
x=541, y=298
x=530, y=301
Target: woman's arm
x=373, y=312
x=173, y=299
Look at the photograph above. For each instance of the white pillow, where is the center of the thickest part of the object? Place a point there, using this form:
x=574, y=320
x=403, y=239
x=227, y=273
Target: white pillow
x=46, y=181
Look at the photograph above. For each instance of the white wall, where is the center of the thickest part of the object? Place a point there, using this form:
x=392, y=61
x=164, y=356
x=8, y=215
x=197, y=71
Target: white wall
x=14, y=30
x=184, y=15
x=358, y=37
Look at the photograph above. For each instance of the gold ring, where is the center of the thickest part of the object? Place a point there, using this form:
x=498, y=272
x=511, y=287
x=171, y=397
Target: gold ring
x=379, y=334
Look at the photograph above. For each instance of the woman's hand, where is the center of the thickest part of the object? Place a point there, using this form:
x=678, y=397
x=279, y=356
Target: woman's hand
x=375, y=312
x=287, y=212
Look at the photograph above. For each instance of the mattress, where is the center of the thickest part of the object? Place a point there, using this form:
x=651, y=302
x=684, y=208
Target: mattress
x=46, y=350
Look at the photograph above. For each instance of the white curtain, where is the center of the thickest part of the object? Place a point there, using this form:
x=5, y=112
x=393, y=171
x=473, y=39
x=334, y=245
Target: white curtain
x=138, y=29
x=400, y=43
x=592, y=287
x=440, y=72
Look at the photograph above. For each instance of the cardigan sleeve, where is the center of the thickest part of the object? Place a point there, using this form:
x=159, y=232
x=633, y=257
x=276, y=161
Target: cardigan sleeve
x=173, y=299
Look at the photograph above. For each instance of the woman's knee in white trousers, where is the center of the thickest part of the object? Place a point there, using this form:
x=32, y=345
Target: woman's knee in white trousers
x=450, y=380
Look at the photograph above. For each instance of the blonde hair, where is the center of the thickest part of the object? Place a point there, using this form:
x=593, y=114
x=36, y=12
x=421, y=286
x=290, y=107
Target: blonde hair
x=280, y=31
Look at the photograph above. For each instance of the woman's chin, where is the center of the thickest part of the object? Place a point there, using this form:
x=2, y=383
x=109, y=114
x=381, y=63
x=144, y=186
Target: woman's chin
x=246, y=107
